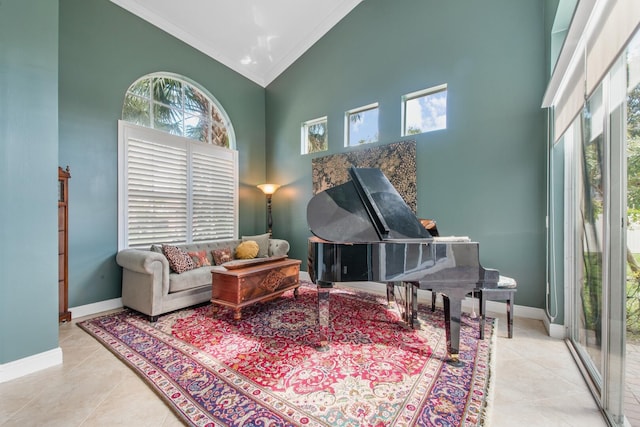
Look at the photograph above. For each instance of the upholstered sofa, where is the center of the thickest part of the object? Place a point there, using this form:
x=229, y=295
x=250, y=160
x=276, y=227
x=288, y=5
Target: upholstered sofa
x=152, y=287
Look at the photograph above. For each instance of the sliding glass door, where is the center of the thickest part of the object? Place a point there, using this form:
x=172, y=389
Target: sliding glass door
x=601, y=175
x=629, y=168
x=589, y=281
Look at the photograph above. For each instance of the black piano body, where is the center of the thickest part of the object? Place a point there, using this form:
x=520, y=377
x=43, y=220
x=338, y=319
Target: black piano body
x=364, y=231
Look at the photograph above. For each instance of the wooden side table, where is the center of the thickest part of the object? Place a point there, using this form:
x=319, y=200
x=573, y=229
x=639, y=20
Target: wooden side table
x=239, y=287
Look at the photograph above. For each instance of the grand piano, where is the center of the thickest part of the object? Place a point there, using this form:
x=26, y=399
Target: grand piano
x=364, y=231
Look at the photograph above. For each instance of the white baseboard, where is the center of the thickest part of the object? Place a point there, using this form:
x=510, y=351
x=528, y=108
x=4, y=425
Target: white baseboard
x=96, y=307
x=28, y=365
x=37, y=362
x=305, y=276
x=555, y=330
x=518, y=310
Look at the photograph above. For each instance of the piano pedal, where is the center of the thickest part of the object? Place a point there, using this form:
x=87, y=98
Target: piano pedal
x=473, y=306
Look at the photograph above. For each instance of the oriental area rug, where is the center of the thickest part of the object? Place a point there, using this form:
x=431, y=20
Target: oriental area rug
x=265, y=370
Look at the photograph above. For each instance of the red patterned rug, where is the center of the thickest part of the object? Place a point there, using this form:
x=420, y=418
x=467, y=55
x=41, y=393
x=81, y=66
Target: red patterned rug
x=265, y=371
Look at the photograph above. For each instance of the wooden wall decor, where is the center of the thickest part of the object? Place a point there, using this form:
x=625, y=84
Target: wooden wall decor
x=397, y=161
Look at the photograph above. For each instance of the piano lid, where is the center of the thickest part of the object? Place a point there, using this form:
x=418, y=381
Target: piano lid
x=366, y=209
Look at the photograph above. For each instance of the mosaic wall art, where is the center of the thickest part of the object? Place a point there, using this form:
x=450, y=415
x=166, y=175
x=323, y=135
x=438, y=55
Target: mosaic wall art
x=397, y=161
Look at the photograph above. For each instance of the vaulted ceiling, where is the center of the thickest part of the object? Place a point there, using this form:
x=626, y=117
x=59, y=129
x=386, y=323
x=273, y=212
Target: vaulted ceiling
x=256, y=38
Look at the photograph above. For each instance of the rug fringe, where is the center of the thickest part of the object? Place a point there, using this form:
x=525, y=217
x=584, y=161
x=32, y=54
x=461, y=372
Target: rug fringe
x=487, y=410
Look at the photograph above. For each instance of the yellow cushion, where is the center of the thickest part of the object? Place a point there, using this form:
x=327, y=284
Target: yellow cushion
x=247, y=250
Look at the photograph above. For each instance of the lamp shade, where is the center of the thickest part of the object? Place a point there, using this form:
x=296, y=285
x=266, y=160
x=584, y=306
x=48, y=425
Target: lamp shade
x=268, y=188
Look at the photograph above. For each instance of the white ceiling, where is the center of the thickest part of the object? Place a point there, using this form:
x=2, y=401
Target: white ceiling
x=257, y=38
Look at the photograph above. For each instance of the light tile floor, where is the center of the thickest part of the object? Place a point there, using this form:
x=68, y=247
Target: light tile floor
x=632, y=386
x=537, y=381
x=536, y=384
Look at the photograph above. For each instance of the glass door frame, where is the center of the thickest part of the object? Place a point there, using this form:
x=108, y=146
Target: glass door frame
x=606, y=380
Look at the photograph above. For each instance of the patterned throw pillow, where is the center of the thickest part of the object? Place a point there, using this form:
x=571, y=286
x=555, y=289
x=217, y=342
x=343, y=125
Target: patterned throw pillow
x=220, y=256
x=179, y=260
x=247, y=250
x=199, y=258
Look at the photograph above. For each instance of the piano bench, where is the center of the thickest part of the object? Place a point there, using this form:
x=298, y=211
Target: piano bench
x=505, y=291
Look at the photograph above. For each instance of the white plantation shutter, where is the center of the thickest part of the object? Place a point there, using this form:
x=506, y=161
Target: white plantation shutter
x=174, y=190
x=214, y=184
x=156, y=193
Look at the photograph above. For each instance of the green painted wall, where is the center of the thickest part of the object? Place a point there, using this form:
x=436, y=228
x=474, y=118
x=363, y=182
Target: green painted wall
x=485, y=175
x=28, y=177
x=103, y=49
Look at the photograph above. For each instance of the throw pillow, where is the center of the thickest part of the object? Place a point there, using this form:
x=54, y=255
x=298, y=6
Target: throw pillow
x=199, y=258
x=263, y=243
x=220, y=256
x=247, y=250
x=179, y=259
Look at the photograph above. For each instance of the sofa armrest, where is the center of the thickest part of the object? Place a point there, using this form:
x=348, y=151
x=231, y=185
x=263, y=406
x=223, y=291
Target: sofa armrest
x=146, y=262
x=139, y=260
x=278, y=247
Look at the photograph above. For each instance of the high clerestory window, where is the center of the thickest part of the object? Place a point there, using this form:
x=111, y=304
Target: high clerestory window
x=424, y=110
x=361, y=125
x=178, y=171
x=314, y=136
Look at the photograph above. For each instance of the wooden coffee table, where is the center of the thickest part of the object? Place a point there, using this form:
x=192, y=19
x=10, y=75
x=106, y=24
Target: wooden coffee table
x=239, y=287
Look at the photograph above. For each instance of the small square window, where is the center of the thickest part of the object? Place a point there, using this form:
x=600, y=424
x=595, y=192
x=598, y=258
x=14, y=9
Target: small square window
x=361, y=125
x=314, y=136
x=424, y=111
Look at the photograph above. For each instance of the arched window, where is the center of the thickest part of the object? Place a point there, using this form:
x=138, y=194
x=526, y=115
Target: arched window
x=177, y=166
x=173, y=104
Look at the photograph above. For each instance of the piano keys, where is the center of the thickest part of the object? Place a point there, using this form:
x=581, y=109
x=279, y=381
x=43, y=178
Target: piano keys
x=364, y=231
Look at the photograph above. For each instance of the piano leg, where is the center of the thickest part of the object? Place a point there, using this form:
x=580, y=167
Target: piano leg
x=408, y=303
x=452, y=314
x=323, y=314
x=405, y=308
x=390, y=293
x=414, y=302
